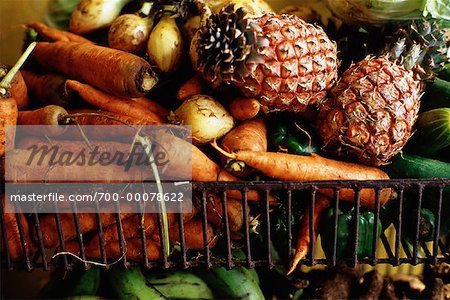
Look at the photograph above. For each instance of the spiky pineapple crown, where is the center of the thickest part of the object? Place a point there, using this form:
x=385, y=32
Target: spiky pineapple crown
x=420, y=46
x=225, y=44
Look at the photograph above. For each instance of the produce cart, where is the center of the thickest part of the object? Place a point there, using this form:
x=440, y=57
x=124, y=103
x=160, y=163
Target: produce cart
x=299, y=145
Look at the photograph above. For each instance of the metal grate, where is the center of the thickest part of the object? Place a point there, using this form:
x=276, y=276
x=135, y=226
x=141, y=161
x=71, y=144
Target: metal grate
x=434, y=252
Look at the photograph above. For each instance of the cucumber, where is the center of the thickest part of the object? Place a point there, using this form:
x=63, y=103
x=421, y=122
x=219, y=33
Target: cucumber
x=432, y=132
x=413, y=166
x=445, y=73
x=437, y=95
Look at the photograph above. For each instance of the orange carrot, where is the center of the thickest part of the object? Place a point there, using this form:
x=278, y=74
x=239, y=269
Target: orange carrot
x=56, y=35
x=13, y=241
x=17, y=88
x=113, y=104
x=47, y=88
x=194, y=86
x=49, y=115
x=87, y=222
x=244, y=108
x=250, y=135
x=117, y=72
x=8, y=117
x=153, y=106
x=303, y=238
x=193, y=235
x=133, y=249
x=26, y=164
x=234, y=211
x=290, y=167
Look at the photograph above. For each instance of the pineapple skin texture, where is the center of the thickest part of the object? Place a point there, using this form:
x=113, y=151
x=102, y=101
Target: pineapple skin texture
x=371, y=112
x=296, y=65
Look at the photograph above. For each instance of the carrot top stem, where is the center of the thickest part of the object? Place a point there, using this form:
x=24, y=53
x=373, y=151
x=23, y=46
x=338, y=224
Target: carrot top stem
x=6, y=81
x=225, y=153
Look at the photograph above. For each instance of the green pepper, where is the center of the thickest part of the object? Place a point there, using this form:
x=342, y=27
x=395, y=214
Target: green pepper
x=295, y=141
x=345, y=233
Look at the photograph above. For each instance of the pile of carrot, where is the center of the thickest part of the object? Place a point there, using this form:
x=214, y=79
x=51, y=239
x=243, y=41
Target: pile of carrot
x=73, y=82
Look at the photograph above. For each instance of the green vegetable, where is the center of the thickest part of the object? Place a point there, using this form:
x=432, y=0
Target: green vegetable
x=294, y=140
x=233, y=284
x=179, y=285
x=88, y=284
x=439, y=9
x=375, y=12
x=437, y=95
x=131, y=284
x=345, y=232
x=433, y=132
x=413, y=166
x=445, y=73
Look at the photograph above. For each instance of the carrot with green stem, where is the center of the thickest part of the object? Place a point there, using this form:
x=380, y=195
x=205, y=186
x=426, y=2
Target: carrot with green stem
x=8, y=105
x=48, y=88
x=288, y=167
x=56, y=35
x=112, y=103
x=119, y=73
x=17, y=88
x=303, y=239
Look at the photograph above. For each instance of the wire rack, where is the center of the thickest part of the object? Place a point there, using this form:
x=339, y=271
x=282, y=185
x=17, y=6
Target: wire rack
x=434, y=252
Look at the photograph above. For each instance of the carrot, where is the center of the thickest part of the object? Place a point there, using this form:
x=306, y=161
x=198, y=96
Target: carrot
x=203, y=168
x=56, y=35
x=8, y=105
x=15, y=249
x=303, y=238
x=234, y=211
x=26, y=165
x=117, y=72
x=112, y=103
x=194, y=86
x=243, y=108
x=47, y=88
x=290, y=167
x=250, y=135
x=17, y=89
x=133, y=249
x=51, y=115
x=87, y=222
x=153, y=106
x=8, y=117
x=193, y=235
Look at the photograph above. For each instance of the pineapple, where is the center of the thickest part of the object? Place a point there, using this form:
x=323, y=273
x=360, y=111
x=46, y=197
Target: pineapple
x=284, y=62
x=371, y=112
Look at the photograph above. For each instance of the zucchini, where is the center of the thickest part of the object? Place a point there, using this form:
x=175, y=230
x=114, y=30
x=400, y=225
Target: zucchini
x=433, y=132
x=437, y=95
x=445, y=73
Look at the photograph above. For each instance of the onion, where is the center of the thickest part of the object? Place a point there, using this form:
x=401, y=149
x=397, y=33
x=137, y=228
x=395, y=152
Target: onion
x=92, y=15
x=129, y=33
x=165, y=47
x=207, y=117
